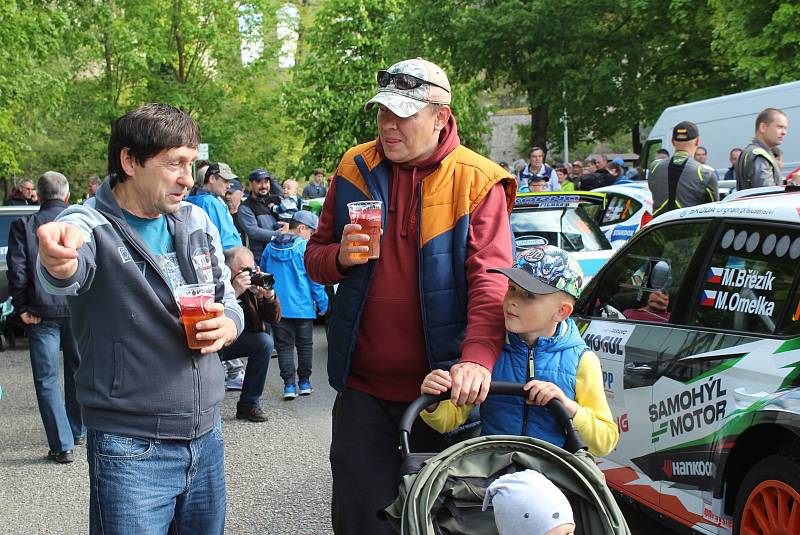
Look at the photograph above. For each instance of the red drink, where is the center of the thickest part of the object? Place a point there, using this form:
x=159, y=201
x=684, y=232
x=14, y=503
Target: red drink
x=368, y=215
x=193, y=311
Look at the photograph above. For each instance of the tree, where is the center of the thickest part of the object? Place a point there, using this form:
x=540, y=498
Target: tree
x=759, y=38
x=31, y=42
x=335, y=77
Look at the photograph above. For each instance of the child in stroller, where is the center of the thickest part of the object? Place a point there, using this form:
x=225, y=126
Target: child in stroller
x=545, y=352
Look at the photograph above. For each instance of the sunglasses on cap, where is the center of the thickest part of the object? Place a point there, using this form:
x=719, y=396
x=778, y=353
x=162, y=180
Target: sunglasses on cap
x=403, y=81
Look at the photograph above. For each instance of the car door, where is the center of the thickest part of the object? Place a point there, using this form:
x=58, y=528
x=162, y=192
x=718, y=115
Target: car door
x=626, y=318
x=724, y=359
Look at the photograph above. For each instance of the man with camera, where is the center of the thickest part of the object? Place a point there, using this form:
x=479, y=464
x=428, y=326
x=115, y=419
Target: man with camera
x=255, y=293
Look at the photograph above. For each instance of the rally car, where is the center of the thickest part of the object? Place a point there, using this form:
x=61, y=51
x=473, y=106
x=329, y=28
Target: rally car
x=628, y=208
x=562, y=219
x=696, y=321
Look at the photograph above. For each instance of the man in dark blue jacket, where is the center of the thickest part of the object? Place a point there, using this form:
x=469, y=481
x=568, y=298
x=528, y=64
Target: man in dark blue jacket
x=46, y=319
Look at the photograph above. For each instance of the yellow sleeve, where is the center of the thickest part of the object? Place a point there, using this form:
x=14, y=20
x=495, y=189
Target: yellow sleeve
x=594, y=420
x=447, y=416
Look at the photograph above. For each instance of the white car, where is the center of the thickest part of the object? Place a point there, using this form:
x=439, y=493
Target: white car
x=696, y=321
x=628, y=208
x=566, y=220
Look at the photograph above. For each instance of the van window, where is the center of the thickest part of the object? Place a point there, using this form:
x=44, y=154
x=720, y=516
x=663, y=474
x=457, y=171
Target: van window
x=649, y=150
x=748, y=282
x=642, y=284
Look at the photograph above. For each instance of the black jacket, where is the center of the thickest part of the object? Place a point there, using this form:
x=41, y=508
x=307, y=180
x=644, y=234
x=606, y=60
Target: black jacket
x=23, y=286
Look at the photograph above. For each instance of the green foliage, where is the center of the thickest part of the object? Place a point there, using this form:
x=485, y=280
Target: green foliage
x=343, y=50
x=760, y=37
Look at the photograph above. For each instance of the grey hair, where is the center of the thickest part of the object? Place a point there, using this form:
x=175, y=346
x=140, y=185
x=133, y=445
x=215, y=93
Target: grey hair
x=52, y=186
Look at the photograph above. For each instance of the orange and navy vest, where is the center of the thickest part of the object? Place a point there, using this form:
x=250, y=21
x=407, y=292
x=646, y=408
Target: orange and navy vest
x=447, y=198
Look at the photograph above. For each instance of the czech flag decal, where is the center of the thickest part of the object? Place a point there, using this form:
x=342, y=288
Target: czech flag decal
x=714, y=275
x=708, y=298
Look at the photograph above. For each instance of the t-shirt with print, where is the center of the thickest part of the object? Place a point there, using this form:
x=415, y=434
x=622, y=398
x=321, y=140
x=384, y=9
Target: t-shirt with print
x=156, y=235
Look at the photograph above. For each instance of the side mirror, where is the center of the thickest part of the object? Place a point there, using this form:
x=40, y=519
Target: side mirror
x=660, y=276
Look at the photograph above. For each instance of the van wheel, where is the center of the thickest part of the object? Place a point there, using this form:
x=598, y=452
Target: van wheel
x=768, y=502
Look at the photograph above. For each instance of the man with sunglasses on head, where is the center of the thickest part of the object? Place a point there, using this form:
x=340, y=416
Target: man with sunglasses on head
x=427, y=302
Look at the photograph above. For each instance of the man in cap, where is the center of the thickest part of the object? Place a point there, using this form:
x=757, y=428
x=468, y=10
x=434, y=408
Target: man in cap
x=427, y=302
x=210, y=197
x=682, y=181
x=756, y=166
x=255, y=214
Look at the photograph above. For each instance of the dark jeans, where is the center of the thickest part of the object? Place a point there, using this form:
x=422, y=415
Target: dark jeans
x=61, y=417
x=258, y=348
x=365, y=460
x=291, y=332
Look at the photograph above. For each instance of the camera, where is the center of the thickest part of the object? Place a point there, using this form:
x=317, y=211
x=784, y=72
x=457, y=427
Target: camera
x=264, y=280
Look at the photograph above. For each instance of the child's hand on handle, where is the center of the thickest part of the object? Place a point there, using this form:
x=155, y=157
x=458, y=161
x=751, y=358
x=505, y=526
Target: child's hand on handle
x=435, y=383
x=541, y=392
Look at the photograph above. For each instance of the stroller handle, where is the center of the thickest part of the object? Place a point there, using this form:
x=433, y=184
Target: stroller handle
x=572, y=443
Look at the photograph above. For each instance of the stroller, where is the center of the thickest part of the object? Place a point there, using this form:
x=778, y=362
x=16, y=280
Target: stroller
x=442, y=494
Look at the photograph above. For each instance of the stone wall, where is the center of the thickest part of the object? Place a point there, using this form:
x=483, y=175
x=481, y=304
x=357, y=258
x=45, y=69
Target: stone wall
x=504, y=140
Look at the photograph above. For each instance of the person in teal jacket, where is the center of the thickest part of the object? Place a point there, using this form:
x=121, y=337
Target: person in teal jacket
x=301, y=299
x=210, y=199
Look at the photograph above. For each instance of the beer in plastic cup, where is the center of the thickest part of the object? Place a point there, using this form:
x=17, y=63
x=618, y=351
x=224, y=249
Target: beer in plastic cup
x=193, y=300
x=368, y=215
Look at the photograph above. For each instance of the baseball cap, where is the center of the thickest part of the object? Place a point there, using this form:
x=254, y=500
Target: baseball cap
x=235, y=185
x=527, y=503
x=398, y=92
x=545, y=269
x=619, y=161
x=307, y=218
x=685, y=131
x=221, y=169
x=258, y=174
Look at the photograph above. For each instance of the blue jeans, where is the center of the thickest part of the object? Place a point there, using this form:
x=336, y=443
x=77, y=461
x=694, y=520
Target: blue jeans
x=258, y=348
x=152, y=487
x=291, y=332
x=61, y=417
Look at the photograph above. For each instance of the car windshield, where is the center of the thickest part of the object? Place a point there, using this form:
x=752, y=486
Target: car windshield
x=572, y=229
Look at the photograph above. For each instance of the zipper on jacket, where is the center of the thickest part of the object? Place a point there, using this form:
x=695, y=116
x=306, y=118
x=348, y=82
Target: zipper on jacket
x=530, y=373
x=420, y=276
x=196, y=372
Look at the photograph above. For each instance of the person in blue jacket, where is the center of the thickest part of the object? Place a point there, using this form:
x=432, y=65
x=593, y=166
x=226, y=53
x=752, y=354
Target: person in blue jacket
x=210, y=198
x=301, y=299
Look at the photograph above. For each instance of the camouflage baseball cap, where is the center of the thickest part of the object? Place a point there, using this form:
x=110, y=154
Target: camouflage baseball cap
x=398, y=94
x=545, y=270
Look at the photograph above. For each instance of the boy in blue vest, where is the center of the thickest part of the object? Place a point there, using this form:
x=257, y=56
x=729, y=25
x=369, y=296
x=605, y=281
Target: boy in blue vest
x=546, y=352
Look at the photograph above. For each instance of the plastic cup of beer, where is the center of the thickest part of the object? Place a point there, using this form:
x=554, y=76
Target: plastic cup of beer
x=193, y=300
x=368, y=215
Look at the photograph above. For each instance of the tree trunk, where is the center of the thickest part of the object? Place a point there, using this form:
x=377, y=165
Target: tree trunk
x=636, y=139
x=540, y=118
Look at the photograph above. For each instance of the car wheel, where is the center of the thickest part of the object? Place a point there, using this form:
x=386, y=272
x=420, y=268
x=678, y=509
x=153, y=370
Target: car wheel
x=768, y=502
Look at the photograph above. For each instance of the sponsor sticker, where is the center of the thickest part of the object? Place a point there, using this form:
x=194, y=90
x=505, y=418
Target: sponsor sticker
x=608, y=340
x=692, y=409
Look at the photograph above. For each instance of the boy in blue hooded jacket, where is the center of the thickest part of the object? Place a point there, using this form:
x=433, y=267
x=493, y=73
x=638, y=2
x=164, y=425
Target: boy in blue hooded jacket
x=300, y=298
x=545, y=351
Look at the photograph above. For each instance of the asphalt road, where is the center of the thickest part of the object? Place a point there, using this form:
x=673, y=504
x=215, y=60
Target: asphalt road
x=277, y=472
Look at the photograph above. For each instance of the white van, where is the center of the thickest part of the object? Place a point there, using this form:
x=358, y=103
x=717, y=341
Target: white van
x=729, y=121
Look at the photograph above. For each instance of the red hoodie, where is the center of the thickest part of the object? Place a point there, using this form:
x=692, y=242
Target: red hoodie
x=389, y=361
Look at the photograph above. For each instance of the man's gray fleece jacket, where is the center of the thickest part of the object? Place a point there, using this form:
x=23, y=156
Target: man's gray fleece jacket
x=137, y=375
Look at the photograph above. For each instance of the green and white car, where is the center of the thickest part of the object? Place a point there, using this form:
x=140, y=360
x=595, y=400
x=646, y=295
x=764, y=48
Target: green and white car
x=696, y=321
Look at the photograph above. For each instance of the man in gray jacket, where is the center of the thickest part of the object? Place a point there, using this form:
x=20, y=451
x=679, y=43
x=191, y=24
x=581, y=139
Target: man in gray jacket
x=150, y=403
x=756, y=166
x=682, y=181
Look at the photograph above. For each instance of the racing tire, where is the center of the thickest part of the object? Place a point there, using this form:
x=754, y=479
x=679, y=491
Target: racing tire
x=768, y=502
